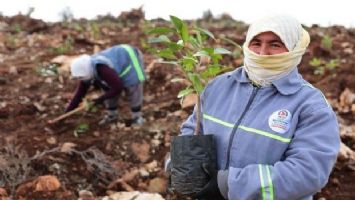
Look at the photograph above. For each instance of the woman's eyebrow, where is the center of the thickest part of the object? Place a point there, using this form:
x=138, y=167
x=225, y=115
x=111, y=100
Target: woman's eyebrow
x=255, y=40
x=275, y=41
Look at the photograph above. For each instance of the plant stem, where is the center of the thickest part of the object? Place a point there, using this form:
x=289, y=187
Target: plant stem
x=198, y=107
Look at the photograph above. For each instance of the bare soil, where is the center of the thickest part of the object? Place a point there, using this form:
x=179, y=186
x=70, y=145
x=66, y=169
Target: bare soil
x=31, y=93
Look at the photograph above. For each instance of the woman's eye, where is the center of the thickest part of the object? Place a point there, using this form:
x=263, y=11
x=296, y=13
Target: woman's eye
x=255, y=44
x=276, y=45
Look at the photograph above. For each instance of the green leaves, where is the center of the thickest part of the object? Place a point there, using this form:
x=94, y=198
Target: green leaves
x=201, y=53
x=327, y=42
x=322, y=66
x=185, y=92
x=181, y=28
x=211, y=71
x=184, y=33
x=196, y=82
x=167, y=53
x=190, y=51
x=81, y=128
x=205, y=31
x=221, y=51
x=160, y=39
x=188, y=63
x=176, y=22
x=160, y=30
x=315, y=62
x=232, y=42
x=332, y=64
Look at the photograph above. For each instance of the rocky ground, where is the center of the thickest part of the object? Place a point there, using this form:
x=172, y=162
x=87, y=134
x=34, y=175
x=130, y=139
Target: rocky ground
x=76, y=158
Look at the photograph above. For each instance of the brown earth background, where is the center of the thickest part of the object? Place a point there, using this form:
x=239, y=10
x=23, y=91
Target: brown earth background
x=77, y=159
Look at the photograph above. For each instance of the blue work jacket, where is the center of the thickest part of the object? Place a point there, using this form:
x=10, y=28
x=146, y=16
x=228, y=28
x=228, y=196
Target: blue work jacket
x=278, y=142
x=125, y=60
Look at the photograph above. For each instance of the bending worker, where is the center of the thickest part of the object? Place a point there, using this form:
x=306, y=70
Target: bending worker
x=113, y=70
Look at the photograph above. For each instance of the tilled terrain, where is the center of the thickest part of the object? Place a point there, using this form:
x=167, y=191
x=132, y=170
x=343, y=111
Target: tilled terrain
x=78, y=158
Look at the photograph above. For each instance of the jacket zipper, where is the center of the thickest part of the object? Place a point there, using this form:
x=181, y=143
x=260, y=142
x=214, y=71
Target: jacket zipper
x=235, y=127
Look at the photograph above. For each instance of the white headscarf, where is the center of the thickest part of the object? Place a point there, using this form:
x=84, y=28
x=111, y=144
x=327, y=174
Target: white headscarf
x=263, y=69
x=81, y=67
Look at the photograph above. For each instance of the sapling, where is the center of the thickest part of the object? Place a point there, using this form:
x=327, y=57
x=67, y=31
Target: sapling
x=189, y=51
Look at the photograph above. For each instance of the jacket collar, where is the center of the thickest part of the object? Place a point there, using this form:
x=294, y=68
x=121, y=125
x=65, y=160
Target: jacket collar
x=286, y=85
x=240, y=75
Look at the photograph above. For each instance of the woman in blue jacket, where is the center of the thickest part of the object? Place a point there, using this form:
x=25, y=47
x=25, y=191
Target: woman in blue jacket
x=276, y=135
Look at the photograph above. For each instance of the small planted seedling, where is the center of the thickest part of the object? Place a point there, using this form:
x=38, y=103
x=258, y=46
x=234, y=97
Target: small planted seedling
x=50, y=69
x=64, y=48
x=321, y=66
x=327, y=42
x=81, y=128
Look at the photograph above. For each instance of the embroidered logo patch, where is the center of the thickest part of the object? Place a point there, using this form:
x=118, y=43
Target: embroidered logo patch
x=279, y=121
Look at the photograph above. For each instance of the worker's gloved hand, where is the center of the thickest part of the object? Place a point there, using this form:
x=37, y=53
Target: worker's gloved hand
x=98, y=101
x=91, y=103
x=211, y=190
x=68, y=109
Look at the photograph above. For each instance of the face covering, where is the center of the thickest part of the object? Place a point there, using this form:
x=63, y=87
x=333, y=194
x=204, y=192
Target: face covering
x=262, y=70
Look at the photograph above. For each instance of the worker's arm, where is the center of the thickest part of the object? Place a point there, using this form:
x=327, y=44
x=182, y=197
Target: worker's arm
x=114, y=83
x=80, y=93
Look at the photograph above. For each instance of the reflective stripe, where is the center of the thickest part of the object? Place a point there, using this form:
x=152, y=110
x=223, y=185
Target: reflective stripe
x=251, y=130
x=262, y=182
x=267, y=188
x=126, y=71
x=218, y=121
x=270, y=135
x=271, y=186
x=134, y=59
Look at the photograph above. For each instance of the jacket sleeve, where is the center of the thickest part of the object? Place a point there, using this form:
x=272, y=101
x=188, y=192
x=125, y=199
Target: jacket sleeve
x=305, y=169
x=115, y=84
x=80, y=92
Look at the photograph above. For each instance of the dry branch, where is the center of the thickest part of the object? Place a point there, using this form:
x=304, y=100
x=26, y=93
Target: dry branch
x=67, y=114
